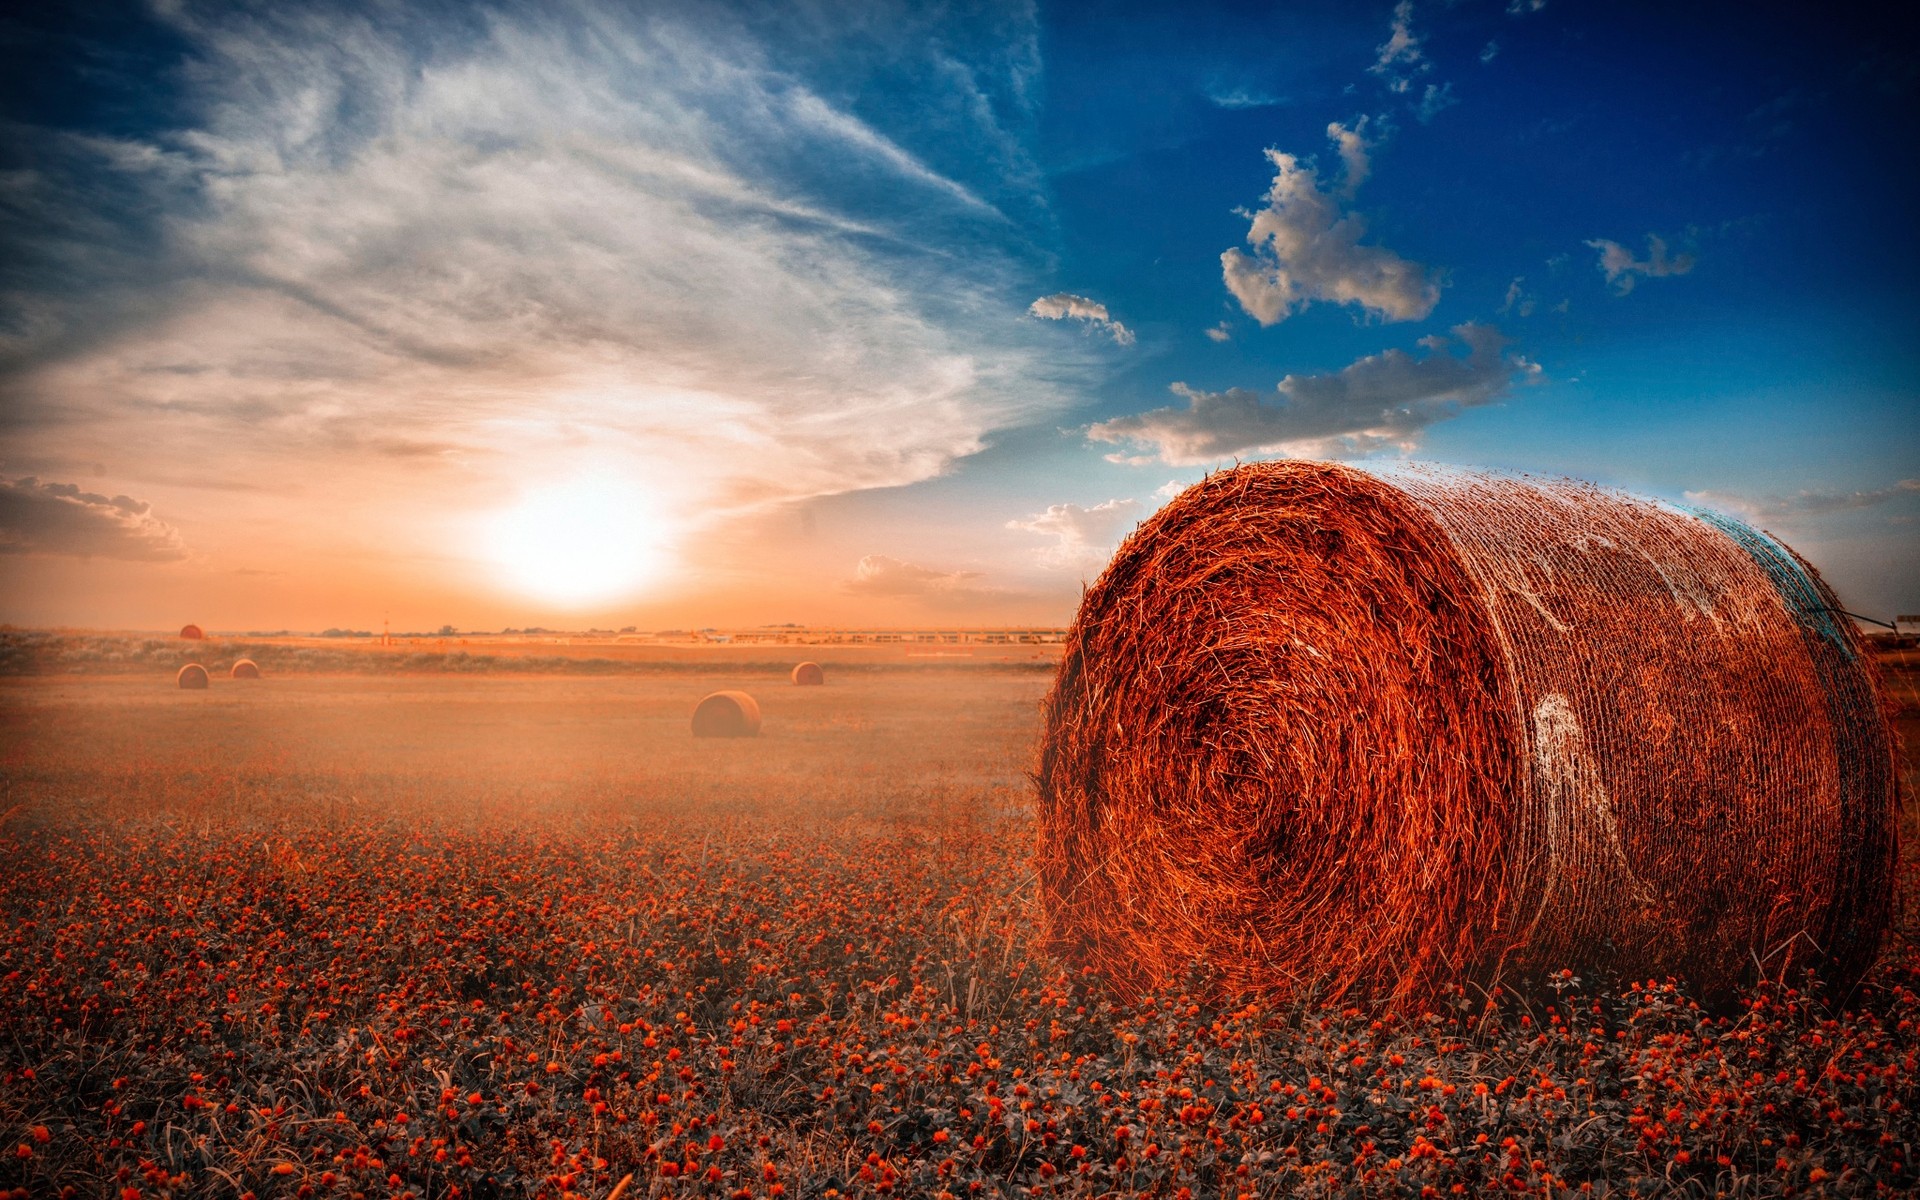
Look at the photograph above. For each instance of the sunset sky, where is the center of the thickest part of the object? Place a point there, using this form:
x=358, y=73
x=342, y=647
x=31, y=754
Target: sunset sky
x=665, y=314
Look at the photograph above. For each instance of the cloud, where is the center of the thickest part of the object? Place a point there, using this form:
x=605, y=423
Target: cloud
x=1400, y=56
x=1489, y=52
x=1620, y=266
x=1519, y=8
x=1379, y=402
x=59, y=518
x=1220, y=333
x=1240, y=97
x=1355, y=151
x=1436, y=99
x=1084, y=537
x=1810, y=502
x=1518, y=300
x=883, y=576
x=1063, y=306
x=1307, y=247
x=416, y=264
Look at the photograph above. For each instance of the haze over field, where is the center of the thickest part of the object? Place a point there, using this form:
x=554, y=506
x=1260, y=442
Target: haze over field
x=680, y=314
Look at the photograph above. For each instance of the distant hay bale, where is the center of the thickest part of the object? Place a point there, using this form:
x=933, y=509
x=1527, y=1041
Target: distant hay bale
x=192, y=632
x=193, y=677
x=1333, y=732
x=245, y=668
x=809, y=674
x=727, y=715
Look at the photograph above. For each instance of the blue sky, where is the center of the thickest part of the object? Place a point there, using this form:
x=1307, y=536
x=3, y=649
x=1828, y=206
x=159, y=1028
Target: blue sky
x=602, y=313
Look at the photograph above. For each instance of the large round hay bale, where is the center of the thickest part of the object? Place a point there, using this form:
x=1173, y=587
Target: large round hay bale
x=192, y=632
x=1328, y=731
x=809, y=674
x=193, y=677
x=727, y=714
x=245, y=668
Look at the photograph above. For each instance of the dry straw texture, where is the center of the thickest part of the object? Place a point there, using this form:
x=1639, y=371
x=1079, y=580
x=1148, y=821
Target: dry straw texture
x=245, y=668
x=1330, y=732
x=192, y=676
x=727, y=714
x=809, y=674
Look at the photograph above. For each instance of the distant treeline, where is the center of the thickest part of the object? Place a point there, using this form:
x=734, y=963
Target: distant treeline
x=32, y=652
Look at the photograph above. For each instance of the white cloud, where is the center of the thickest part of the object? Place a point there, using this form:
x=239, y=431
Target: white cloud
x=1809, y=502
x=59, y=518
x=585, y=232
x=1220, y=333
x=1621, y=267
x=1063, y=306
x=1400, y=56
x=1519, y=8
x=1380, y=402
x=1436, y=99
x=1489, y=52
x=1307, y=247
x=1355, y=150
x=1084, y=537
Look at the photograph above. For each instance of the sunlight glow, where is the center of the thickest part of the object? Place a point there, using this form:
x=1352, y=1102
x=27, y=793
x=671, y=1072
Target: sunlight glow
x=593, y=540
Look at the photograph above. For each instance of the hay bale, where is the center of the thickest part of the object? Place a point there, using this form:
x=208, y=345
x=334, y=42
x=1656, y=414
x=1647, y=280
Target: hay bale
x=245, y=668
x=727, y=714
x=192, y=633
x=809, y=674
x=193, y=677
x=1336, y=732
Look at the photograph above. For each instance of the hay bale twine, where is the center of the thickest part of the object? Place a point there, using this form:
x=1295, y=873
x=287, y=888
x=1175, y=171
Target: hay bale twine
x=192, y=677
x=1334, y=732
x=728, y=715
x=809, y=674
x=245, y=668
x=192, y=633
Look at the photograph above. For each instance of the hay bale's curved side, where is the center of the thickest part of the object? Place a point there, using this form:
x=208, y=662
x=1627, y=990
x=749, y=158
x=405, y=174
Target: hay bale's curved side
x=727, y=715
x=1329, y=731
x=809, y=674
x=192, y=632
x=245, y=668
x=192, y=677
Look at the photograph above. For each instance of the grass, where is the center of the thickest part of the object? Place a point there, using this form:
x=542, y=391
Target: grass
x=521, y=935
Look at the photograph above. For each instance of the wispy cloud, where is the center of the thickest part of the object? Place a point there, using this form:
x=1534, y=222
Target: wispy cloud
x=59, y=518
x=484, y=250
x=1622, y=268
x=1307, y=248
x=1809, y=502
x=1241, y=97
x=1083, y=537
x=1400, y=57
x=881, y=575
x=1435, y=100
x=1062, y=306
x=1518, y=301
x=1383, y=401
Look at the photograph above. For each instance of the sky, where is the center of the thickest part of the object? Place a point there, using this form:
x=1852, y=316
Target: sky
x=664, y=315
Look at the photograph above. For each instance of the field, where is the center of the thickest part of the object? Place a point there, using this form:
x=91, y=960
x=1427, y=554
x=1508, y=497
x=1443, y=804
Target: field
x=480, y=933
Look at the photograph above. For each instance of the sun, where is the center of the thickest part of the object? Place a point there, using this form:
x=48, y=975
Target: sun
x=592, y=540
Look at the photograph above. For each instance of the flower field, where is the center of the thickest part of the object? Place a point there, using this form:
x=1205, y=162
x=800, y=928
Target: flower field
x=272, y=954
